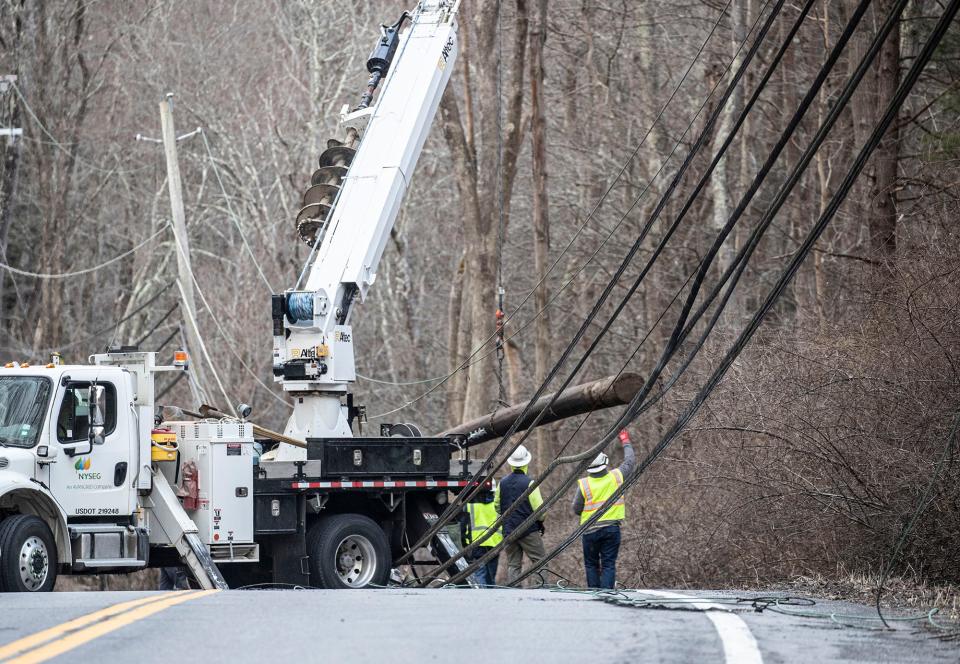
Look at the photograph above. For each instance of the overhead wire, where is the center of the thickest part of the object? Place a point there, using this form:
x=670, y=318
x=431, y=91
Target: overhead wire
x=645, y=230
x=774, y=62
x=103, y=330
x=156, y=326
x=465, y=496
x=475, y=354
x=680, y=330
x=740, y=261
x=232, y=344
x=637, y=404
x=786, y=275
x=95, y=268
x=400, y=383
x=486, y=471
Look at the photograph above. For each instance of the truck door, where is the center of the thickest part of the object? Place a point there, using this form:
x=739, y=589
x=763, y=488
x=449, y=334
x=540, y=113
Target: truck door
x=96, y=483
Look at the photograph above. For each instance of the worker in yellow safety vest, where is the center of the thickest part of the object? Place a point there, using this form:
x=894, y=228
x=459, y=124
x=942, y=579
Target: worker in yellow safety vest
x=479, y=515
x=601, y=541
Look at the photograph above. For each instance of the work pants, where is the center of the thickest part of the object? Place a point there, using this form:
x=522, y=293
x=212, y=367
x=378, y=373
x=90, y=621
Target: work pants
x=532, y=545
x=600, y=549
x=173, y=578
x=486, y=575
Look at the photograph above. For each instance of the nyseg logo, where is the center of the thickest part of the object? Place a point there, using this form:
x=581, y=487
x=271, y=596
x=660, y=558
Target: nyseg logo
x=82, y=467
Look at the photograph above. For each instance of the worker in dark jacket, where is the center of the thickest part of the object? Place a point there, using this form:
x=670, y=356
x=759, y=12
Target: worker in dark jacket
x=511, y=488
x=601, y=541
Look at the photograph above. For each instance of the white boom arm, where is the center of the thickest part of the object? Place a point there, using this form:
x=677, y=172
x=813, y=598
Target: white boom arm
x=313, y=357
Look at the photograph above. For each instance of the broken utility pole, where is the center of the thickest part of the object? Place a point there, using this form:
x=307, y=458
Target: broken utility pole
x=584, y=398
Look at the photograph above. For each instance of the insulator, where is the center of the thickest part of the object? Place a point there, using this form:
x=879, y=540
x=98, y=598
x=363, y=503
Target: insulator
x=329, y=175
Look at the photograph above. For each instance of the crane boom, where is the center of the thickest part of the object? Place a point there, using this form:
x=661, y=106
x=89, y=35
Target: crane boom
x=313, y=354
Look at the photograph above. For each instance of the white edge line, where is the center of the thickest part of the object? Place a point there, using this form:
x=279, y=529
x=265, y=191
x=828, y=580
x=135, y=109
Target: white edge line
x=739, y=644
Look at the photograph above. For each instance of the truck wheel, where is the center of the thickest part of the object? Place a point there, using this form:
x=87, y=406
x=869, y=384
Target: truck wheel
x=28, y=556
x=348, y=551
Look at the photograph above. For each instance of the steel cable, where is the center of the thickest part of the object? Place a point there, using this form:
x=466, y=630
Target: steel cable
x=628, y=258
x=741, y=260
x=473, y=357
x=744, y=254
x=785, y=277
x=680, y=330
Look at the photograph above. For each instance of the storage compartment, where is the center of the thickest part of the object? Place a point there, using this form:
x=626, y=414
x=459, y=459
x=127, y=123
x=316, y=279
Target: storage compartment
x=391, y=457
x=223, y=452
x=275, y=514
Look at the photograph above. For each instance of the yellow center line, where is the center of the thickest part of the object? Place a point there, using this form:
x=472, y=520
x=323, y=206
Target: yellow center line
x=43, y=636
x=76, y=632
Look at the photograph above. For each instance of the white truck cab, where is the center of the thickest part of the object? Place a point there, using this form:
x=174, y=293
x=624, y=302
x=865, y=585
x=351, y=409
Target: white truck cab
x=74, y=462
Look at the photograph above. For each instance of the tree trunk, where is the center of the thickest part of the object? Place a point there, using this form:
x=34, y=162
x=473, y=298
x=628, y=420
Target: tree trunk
x=724, y=184
x=481, y=177
x=541, y=218
x=882, y=207
x=874, y=205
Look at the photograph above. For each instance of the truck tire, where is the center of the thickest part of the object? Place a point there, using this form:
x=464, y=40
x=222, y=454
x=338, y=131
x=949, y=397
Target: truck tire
x=28, y=555
x=348, y=551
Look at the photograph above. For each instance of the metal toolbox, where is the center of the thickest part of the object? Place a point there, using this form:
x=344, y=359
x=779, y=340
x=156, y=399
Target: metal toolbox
x=394, y=457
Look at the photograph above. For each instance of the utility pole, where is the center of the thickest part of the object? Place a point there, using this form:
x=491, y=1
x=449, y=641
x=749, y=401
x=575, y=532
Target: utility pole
x=188, y=307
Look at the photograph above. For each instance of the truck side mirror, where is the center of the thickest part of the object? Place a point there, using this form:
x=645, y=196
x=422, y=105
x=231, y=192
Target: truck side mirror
x=97, y=398
x=46, y=454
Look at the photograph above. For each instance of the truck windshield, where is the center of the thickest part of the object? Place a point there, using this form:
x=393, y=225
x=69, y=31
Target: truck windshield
x=23, y=402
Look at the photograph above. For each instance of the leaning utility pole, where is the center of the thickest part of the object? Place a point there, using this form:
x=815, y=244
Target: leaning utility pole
x=188, y=307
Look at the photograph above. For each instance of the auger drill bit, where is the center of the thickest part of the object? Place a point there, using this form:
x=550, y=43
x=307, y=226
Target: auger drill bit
x=325, y=183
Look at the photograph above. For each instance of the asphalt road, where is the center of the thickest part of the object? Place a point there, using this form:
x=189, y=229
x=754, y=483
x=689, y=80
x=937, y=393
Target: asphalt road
x=434, y=625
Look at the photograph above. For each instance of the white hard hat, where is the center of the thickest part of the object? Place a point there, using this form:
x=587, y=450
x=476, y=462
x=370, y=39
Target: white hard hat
x=599, y=463
x=521, y=457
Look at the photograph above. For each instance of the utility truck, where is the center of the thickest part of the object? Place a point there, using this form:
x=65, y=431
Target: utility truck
x=93, y=480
